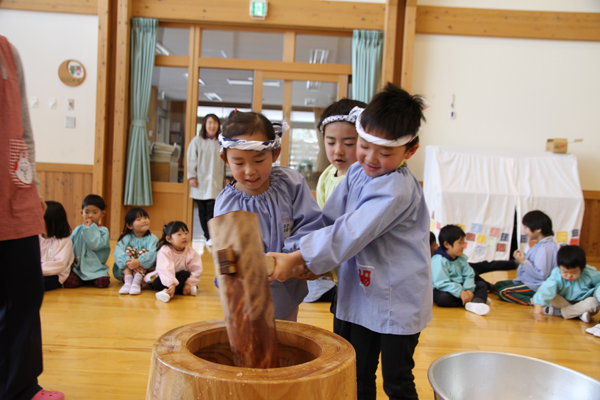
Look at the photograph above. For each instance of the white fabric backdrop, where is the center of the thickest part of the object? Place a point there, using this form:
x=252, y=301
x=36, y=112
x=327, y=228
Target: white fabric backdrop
x=480, y=190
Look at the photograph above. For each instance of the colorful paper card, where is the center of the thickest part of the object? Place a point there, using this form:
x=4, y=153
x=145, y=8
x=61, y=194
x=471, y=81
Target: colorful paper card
x=495, y=232
x=470, y=237
x=438, y=226
x=481, y=239
x=574, y=242
x=562, y=237
x=432, y=226
x=504, y=237
x=491, y=241
x=479, y=250
x=575, y=233
x=477, y=228
x=524, y=239
x=501, y=247
x=463, y=227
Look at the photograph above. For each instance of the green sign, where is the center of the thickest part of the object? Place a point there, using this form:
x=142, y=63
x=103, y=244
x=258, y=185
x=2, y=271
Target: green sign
x=258, y=9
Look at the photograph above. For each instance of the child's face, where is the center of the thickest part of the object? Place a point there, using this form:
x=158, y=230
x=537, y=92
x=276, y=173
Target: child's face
x=340, y=145
x=251, y=169
x=570, y=274
x=140, y=226
x=457, y=248
x=533, y=235
x=179, y=239
x=379, y=160
x=93, y=214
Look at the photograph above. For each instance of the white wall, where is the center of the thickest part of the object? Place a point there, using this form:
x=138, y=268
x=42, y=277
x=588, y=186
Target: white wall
x=44, y=41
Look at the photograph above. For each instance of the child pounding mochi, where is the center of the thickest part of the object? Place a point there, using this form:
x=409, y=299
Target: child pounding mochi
x=135, y=252
x=377, y=231
x=278, y=195
x=91, y=246
x=571, y=290
x=454, y=282
x=535, y=265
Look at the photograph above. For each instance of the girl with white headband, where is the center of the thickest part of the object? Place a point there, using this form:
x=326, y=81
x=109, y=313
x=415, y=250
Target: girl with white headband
x=377, y=231
x=278, y=195
x=339, y=137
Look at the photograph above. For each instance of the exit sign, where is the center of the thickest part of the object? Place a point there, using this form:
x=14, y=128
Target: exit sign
x=258, y=9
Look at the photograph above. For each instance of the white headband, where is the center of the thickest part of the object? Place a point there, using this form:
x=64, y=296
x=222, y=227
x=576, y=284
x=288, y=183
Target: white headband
x=357, y=111
x=334, y=118
x=280, y=130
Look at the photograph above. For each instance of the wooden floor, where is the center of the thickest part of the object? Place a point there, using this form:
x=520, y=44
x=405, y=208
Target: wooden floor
x=97, y=343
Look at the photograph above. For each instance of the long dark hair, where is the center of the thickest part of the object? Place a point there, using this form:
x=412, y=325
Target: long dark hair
x=130, y=218
x=203, y=129
x=170, y=229
x=57, y=224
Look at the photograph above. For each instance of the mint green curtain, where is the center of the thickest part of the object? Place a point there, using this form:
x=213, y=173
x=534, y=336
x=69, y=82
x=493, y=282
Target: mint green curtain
x=138, y=184
x=367, y=50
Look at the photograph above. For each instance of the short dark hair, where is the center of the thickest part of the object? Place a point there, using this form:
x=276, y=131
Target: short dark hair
x=536, y=219
x=93, y=200
x=432, y=238
x=450, y=234
x=170, y=229
x=571, y=257
x=130, y=216
x=57, y=224
x=340, y=107
x=394, y=113
x=247, y=123
x=203, y=129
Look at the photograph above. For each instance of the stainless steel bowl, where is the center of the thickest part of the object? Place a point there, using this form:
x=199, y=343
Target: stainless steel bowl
x=477, y=375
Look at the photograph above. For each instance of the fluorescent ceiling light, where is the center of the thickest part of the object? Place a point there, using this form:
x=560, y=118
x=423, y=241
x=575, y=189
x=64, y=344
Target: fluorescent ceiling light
x=318, y=56
x=313, y=86
x=212, y=96
x=161, y=50
x=223, y=54
x=200, y=81
x=249, y=82
x=309, y=101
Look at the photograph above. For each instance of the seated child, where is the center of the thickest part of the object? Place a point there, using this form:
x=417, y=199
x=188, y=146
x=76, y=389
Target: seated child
x=453, y=279
x=135, y=252
x=56, y=246
x=377, y=231
x=572, y=290
x=433, y=245
x=178, y=266
x=537, y=263
x=91, y=246
x=339, y=137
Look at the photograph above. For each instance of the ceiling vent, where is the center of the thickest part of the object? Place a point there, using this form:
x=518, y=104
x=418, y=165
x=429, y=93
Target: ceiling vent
x=212, y=96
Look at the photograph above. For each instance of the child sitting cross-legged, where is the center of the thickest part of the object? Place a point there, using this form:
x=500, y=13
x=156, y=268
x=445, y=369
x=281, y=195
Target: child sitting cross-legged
x=571, y=290
x=453, y=279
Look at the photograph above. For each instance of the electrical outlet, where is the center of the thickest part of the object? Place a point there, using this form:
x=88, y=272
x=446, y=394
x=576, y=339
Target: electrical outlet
x=69, y=122
x=452, y=114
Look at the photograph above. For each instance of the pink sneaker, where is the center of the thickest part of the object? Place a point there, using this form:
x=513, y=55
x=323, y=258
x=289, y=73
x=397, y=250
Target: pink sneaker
x=47, y=395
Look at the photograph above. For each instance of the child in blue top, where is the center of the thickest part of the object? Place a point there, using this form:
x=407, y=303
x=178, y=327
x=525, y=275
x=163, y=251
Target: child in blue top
x=91, y=246
x=453, y=279
x=278, y=195
x=377, y=231
x=535, y=265
x=135, y=252
x=571, y=291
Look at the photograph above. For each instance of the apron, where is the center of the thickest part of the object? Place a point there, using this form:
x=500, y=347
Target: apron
x=20, y=209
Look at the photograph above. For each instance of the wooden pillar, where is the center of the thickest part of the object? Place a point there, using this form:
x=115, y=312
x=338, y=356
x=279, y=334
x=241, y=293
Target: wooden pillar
x=121, y=119
x=399, y=39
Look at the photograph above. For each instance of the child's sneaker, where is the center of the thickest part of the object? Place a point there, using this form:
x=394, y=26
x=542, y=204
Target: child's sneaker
x=477, y=308
x=125, y=288
x=163, y=296
x=586, y=317
x=48, y=395
x=194, y=290
x=594, y=330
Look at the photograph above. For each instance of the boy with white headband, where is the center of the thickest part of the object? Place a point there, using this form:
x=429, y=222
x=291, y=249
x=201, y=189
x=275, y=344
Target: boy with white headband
x=280, y=197
x=377, y=230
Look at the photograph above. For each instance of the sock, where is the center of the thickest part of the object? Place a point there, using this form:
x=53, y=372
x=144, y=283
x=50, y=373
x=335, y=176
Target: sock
x=127, y=285
x=595, y=330
x=136, y=285
x=550, y=310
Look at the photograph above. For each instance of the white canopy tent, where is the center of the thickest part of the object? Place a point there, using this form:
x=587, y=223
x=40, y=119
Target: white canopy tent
x=480, y=190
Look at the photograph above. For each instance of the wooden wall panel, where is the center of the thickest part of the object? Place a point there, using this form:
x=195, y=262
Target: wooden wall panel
x=68, y=184
x=330, y=15
x=61, y=6
x=508, y=23
x=165, y=195
x=590, y=230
